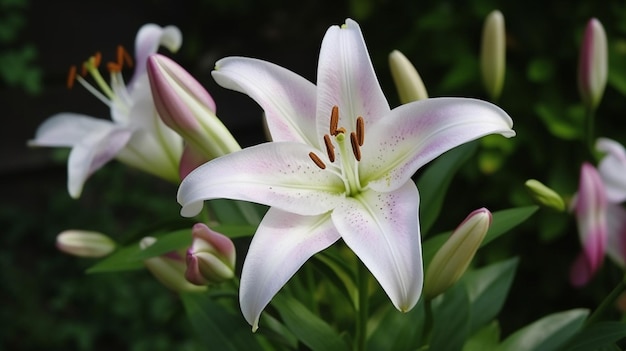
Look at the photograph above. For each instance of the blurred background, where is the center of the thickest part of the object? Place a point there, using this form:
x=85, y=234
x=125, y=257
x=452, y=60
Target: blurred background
x=49, y=303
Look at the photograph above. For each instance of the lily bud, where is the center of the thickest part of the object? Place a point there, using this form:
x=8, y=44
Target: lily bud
x=593, y=64
x=211, y=257
x=544, y=195
x=169, y=269
x=408, y=82
x=186, y=107
x=453, y=258
x=85, y=243
x=493, y=54
x=590, y=206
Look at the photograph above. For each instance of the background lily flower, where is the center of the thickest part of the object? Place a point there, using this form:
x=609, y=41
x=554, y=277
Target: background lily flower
x=590, y=206
x=135, y=135
x=612, y=168
x=325, y=177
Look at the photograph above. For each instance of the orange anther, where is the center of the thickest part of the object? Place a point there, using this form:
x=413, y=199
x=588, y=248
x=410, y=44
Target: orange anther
x=71, y=77
x=330, y=149
x=114, y=67
x=318, y=162
x=356, y=150
x=334, y=120
x=124, y=57
x=83, y=69
x=97, y=58
x=360, y=130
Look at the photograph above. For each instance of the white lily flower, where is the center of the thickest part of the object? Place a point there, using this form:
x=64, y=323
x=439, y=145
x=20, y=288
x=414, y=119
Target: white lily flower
x=135, y=136
x=324, y=177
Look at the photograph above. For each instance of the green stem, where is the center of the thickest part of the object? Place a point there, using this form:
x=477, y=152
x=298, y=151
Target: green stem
x=607, y=303
x=428, y=325
x=590, y=131
x=362, y=306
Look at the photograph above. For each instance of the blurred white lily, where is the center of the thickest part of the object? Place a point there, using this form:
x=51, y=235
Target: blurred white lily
x=135, y=136
x=590, y=206
x=324, y=177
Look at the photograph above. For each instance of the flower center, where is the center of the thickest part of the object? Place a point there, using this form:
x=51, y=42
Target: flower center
x=337, y=148
x=113, y=94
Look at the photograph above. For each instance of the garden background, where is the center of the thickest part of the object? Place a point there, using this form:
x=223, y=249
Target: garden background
x=48, y=302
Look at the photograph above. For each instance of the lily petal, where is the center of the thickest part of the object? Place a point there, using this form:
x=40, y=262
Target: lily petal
x=281, y=245
x=274, y=174
x=147, y=42
x=287, y=99
x=612, y=169
x=67, y=129
x=383, y=231
x=414, y=134
x=91, y=153
x=347, y=79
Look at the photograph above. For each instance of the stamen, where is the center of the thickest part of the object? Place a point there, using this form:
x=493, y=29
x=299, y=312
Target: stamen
x=330, y=149
x=114, y=67
x=334, y=120
x=360, y=130
x=318, y=162
x=97, y=58
x=123, y=56
x=356, y=150
x=71, y=77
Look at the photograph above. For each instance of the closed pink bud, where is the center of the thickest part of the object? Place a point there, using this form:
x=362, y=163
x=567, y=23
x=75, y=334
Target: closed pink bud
x=211, y=257
x=593, y=64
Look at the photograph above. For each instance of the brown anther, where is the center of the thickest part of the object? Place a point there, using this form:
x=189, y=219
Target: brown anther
x=318, y=162
x=97, y=58
x=360, y=130
x=114, y=67
x=71, y=77
x=83, y=69
x=123, y=57
x=356, y=150
x=334, y=120
x=330, y=149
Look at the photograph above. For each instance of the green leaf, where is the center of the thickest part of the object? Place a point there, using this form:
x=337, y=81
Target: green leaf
x=488, y=288
x=216, y=326
x=434, y=182
x=132, y=256
x=452, y=313
x=307, y=326
x=486, y=338
x=548, y=333
x=394, y=330
x=336, y=270
x=505, y=220
x=603, y=334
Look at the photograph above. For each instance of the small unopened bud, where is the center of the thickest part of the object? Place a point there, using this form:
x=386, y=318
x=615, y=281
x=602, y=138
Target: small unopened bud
x=85, y=243
x=453, y=258
x=186, y=107
x=408, y=82
x=593, y=64
x=169, y=269
x=211, y=257
x=544, y=196
x=493, y=54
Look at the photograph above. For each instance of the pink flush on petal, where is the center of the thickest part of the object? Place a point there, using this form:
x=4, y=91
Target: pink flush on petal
x=591, y=216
